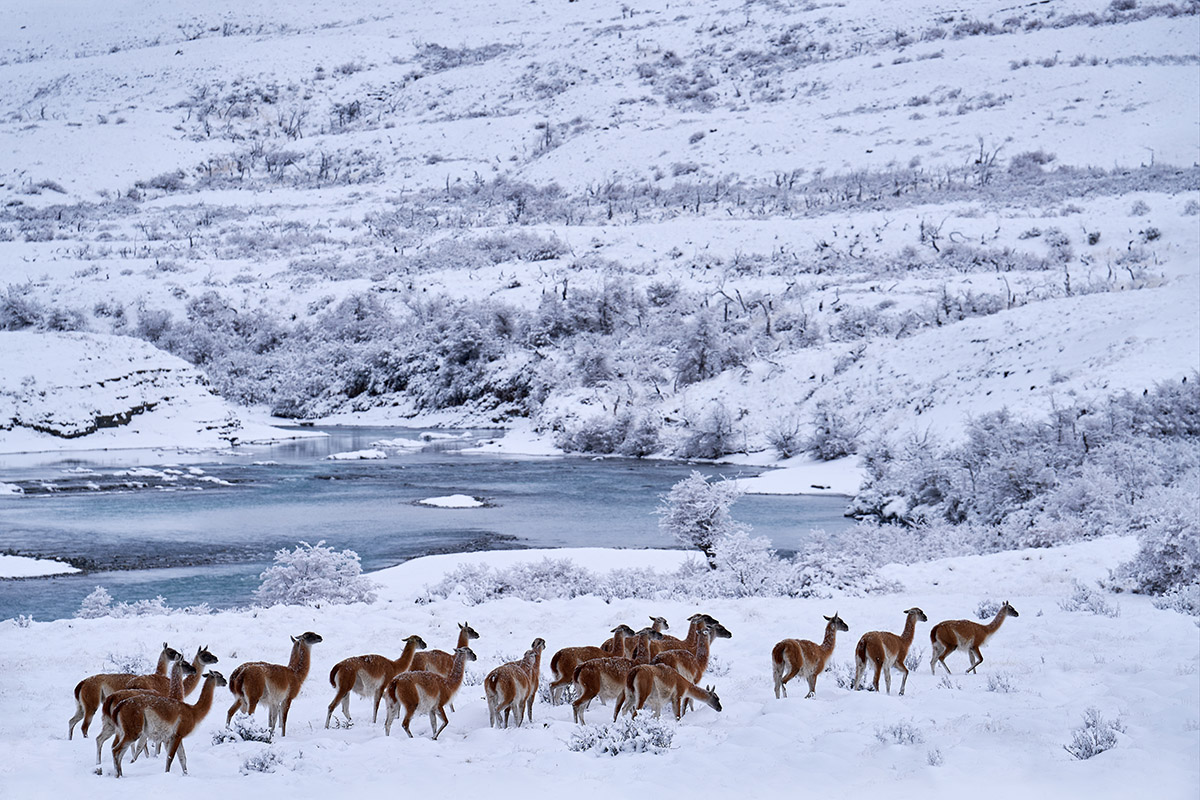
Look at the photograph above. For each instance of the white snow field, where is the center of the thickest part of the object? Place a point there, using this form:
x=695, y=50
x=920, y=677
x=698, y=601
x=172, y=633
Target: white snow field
x=1000, y=733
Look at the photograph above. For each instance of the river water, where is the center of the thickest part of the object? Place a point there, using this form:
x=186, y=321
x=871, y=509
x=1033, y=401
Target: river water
x=201, y=527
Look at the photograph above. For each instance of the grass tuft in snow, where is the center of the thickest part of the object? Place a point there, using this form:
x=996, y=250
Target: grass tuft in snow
x=899, y=733
x=1085, y=598
x=1001, y=682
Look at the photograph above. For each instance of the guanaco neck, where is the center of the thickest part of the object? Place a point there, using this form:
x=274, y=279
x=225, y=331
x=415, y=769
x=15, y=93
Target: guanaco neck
x=619, y=648
x=164, y=664
x=694, y=637
x=204, y=701
x=406, y=656
x=830, y=638
x=994, y=625
x=456, y=672
x=910, y=630
x=463, y=638
x=178, y=686
x=299, y=661
x=189, y=683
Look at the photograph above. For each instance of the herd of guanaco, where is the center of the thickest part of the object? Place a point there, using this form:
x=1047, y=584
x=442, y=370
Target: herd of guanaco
x=632, y=669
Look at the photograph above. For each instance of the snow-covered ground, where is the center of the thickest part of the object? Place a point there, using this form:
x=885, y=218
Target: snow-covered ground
x=996, y=734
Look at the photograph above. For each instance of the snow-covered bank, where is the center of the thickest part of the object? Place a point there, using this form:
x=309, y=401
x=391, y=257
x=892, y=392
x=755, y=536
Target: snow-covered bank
x=26, y=567
x=843, y=476
x=997, y=734
x=84, y=391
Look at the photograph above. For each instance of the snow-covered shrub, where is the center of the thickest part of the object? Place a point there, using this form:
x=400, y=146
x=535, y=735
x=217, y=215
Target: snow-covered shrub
x=243, y=728
x=711, y=435
x=100, y=604
x=641, y=735
x=784, y=436
x=987, y=609
x=1000, y=682
x=1168, y=524
x=934, y=758
x=834, y=436
x=314, y=574
x=1096, y=735
x=1085, y=598
x=547, y=579
x=263, y=761
x=696, y=513
x=1184, y=598
x=128, y=664
x=899, y=733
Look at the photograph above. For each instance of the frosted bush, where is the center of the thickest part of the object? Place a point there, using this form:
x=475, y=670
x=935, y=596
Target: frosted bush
x=262, y=761
x=100, y=604
x=987, y=609
x=904, y=733
x=1184, y=598
x=696, y=513
x=1000, y=682
x=1086, y=599
x=242, y=728
x=1168, y=525
x=641, y=735
x=314, y=574
x=1095, y=735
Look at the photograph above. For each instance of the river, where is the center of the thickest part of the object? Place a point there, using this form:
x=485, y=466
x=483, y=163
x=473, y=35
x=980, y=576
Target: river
x=201, y=527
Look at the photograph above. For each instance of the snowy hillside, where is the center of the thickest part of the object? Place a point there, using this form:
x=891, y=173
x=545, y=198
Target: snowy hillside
x=1001, y=732
x=59, y=389
x=678, y=228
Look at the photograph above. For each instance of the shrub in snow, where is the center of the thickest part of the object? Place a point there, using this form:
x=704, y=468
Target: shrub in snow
x=1095, y=735
x=696, y=513
x=1168, y=525
x=1185, y=599
x=1000, y=682
x=1085, y=598
x=934, y=758
x=262, y=761
x=711, y=435
x=833, y=435
x=641, y=735
x=314, y=574
x=100, y=604
x=987, y=609
x=129, y=664
x=242, y=728
x=899, y=733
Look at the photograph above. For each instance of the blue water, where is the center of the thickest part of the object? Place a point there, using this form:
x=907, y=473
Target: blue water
x=183, y=535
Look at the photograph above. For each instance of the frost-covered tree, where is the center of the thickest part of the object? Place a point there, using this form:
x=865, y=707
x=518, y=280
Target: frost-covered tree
x=96, y=604
x=1168, y=523
x=312, y=574
x=696, y=513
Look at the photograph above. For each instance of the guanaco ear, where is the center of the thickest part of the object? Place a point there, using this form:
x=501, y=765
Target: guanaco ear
x=830, y=619
x=294, y=639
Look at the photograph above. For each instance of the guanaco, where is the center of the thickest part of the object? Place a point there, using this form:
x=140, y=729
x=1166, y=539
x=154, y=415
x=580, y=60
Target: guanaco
x=181, y=672
x=440, y=661
x=659, y=684
x=512, y=686
x=564, y=663
x=792, y=657
x=368, y=676
x=425, y=692
x=90, y=692
x=162, y=719
x=948, y=636
x=657, y=624
x=887, y=650
x=692, y=664
x=279, y=685
x=605, y=677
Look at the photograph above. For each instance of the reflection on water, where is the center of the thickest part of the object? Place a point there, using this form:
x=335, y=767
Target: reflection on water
x=201, y=527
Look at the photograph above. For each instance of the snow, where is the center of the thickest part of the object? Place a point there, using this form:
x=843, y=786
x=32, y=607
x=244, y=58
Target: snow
x=26, y=567
x=453, y=501
x=842, y=476
x=1000, y=732
x=371, y=454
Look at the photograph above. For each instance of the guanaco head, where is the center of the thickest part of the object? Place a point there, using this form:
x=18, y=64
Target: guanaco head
x=171, y=653
x=216, y=677
x=918, y=613
x=205, y=657
x=471, y=632
x=416, y=641
x=468, y=652
x=718, y=631
x=707, y=619
x=716, y=701
x=185, y=668
x=661, y=622
x=539, y=644
x=837, y=623
x=623, y=629
x=308, y=637
x=1009, y=610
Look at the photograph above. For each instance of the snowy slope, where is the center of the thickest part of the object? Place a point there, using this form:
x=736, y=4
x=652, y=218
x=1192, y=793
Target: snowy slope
x=95, y=391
